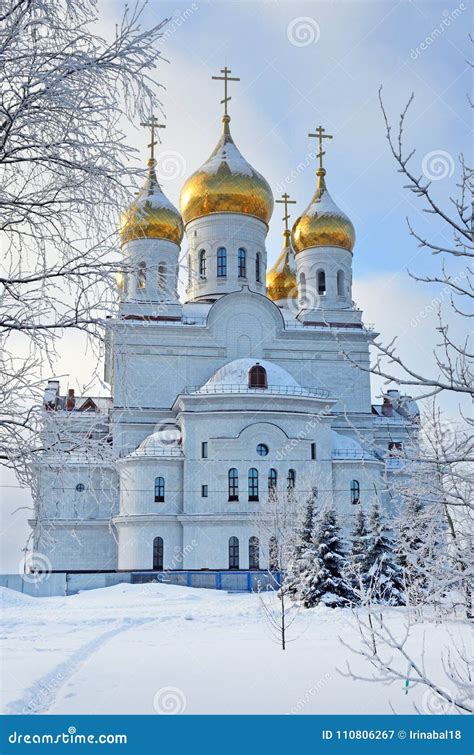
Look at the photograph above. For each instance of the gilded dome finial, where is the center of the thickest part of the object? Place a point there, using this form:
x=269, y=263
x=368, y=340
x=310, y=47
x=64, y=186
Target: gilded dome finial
x=151, y=215
x=225, y=78
x=152, y=124
x=281, y=278
x=319, y=134
x=226, y=182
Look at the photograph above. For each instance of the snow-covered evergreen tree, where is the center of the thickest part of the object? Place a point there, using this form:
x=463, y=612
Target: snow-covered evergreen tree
x=359, y=566
x=301, y=565
x=382, y=568
x=328, y=583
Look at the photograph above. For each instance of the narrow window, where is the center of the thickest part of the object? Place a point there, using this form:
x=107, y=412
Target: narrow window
x=221, y=262
x=162, y=275
x=340, y=283
x=257, y=376
x=158, y=554
x=355, y=492
x=302, y=286
x=291, y=479
x=254, y=553
x=253, y=485
x=313, y=450
x=190, y=270
x=204, y=449
x=142, y=275
x=272, y=480
x=202, y=263
x=159, y=489
x=273, y=554
x=258, y=267
x=242, y=263
x=233, y=553
x=233, y=484
x=204, y=491
x=321, y=282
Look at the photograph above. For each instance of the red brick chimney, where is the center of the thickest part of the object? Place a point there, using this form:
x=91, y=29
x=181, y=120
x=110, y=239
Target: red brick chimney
x=71, y=400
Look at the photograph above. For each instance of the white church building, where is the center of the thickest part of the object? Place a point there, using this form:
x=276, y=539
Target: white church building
x=255, y=384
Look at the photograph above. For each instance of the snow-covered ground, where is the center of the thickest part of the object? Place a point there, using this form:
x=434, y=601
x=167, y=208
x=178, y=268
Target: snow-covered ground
x=160, y=648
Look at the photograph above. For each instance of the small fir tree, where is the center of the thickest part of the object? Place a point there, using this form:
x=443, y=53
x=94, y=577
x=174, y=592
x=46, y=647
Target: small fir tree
x=328, y=582
x=358, y=558
x=301, y=564
x=382, y=568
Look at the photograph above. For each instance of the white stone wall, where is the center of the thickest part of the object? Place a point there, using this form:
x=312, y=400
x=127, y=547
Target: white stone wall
x=233, y=232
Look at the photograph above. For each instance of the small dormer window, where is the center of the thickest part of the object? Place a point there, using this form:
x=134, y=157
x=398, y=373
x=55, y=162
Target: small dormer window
x=258, y=377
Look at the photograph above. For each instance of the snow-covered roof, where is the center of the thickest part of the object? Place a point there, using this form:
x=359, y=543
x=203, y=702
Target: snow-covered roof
x=236, y=373
x=165, y=440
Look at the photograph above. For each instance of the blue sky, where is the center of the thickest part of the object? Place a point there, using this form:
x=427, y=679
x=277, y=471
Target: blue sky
x=287, y=89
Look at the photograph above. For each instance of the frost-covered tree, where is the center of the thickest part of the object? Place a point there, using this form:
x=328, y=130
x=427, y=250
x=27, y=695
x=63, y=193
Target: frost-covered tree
x=381, y=564
x=359, y=566
x=66, y=96
x=302, y=562
x=329, y=583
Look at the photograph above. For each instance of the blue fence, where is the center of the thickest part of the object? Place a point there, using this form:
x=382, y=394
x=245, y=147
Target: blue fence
x=232, y=581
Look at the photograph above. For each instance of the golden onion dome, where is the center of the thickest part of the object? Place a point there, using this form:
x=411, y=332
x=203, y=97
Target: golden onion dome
x=281, y=278
x=322, y=223
x=226, y=183
x=151, y=215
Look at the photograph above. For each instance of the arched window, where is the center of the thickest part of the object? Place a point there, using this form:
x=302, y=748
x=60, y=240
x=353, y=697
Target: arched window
x=321, y=282
x=159, y=489
x=233, y=477
x=355, y=492
x=142, y=275
x=242, y=263
x=253, y=485
x=233, y=553
x=161, y=275
x=272, y=480
x=254, y=553
x=291, y=479
x=158, y=554
x=257, y=376
x=202, y=263
x=273, y=564
x=221, y=262
x=258, y=267
x=340, y=283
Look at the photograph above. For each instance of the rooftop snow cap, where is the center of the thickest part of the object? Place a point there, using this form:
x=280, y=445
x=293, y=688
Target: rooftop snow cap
x=237, y=373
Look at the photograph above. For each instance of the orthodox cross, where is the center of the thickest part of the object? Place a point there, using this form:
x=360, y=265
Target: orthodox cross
x=153, y=124
x=285, y=199
x=225, y=78
x=320, y=135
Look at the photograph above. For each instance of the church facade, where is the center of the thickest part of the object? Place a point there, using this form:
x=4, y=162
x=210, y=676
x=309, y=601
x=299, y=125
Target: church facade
x=255, y=385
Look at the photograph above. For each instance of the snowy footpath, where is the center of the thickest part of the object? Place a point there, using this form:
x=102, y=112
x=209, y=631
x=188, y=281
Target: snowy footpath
x=165, y=649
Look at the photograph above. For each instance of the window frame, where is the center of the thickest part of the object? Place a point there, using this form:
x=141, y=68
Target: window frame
x=221, y=266
x=257, y=377
x=158, y=553
x=234, y=553
x=253, y=484
x=204, y=449
x=233, y=484
x=258, y=268
x=272, y=480
x=159, y=489
x=202, y=264
x=254, y=553
x=204, y=491
x=241, y=262
x=355, y=492
x=291, y=479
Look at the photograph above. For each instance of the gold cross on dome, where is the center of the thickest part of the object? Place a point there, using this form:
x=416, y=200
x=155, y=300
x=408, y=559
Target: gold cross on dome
x=320, y=135
x=152, y=124
x=225, y=78
x=285, y=199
